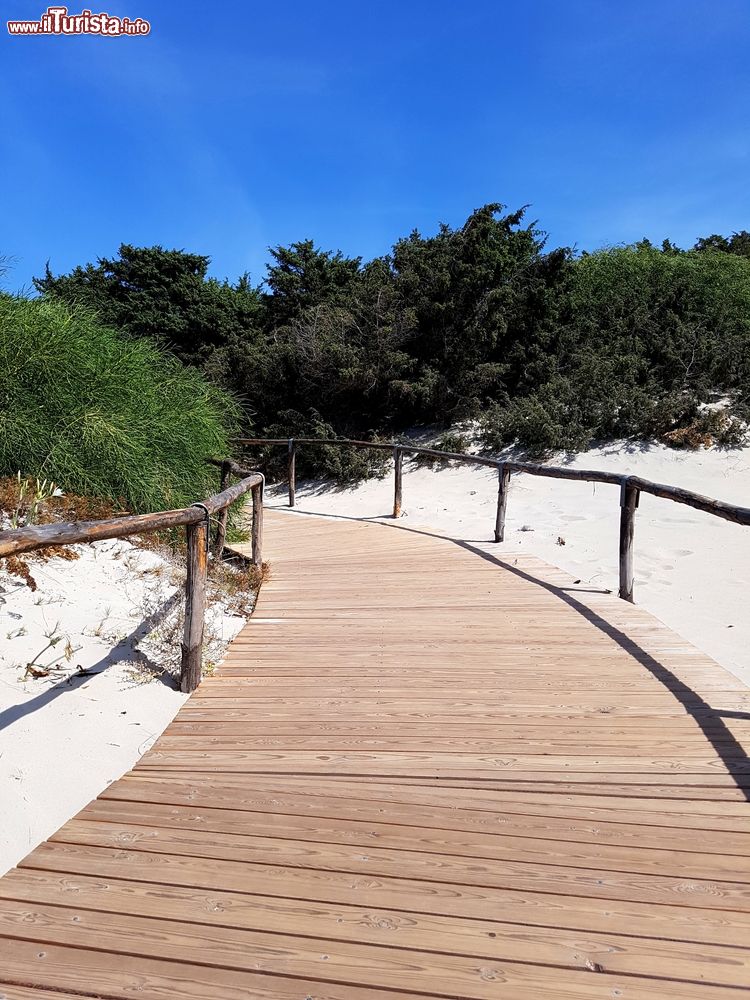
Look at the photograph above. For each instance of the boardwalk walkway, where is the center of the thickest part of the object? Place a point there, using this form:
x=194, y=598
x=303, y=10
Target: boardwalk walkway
x=427, y=768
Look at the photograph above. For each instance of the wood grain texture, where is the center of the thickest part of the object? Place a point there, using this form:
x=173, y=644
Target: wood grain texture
x=628, y=506
x=292, y=471
x=195, y=605
x=256, y=547
x=503, y=486
x=398, y=481
x=427, y=768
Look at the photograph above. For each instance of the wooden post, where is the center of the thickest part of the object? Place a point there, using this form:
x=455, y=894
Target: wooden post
x=398, y=460
x=292, y=471
x=503, y=483
x=628, y=504
x=221, y=526
x=195, y=605
x=258, y=525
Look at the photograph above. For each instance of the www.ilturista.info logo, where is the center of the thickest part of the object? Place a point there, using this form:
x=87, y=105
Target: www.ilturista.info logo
x=57, y=21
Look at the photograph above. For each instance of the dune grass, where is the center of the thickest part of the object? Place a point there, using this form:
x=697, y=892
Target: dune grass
x=104, y=415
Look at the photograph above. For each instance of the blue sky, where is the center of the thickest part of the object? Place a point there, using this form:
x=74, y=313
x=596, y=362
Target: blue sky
x=235, y=125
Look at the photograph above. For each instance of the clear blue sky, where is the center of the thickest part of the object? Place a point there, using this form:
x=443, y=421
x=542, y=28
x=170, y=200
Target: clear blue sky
x=237, y=125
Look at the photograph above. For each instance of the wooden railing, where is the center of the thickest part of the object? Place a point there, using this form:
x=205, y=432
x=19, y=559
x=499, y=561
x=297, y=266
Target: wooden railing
x=631, y=488
x=196, y=522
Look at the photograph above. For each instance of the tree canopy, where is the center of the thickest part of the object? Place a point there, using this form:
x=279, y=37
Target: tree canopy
x=545, y=348
x=162, y=294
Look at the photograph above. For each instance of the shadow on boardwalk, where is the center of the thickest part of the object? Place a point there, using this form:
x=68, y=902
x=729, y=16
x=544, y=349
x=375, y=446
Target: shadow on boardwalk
x=710, y=720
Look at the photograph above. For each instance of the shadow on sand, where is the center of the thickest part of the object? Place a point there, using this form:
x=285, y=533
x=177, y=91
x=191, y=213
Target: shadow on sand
x=123, y=652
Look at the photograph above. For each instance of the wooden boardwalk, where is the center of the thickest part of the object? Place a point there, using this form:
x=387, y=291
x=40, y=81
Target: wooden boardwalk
x=426, y=769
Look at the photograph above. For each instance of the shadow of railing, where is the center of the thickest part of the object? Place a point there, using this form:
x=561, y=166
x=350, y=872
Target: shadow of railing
x=125, y=651
x=709, y=720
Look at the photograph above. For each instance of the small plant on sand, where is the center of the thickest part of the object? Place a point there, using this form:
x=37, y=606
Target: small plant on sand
x=98, y=630
x=32, y=495
x=155, y=651
x=236, y=583
x=711, y=427
x=54, y=637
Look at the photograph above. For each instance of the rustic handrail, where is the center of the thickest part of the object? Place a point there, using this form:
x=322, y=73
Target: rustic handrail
x=194, y=518
x=630, y=488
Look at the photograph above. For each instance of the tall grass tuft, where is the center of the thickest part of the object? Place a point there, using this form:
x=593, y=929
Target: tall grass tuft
x=103, y=415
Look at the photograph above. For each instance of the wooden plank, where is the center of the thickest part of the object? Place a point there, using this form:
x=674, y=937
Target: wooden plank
x=481, y=938
x=237, y=735
x=644, y=728
x=378, y=801
x=9, y=991
x=652, y=793
x=117, y=975
x=691, y=770
x=544, y=909
x=430, y=972
x=260, y=842
x=455, y=875
x=460, y=837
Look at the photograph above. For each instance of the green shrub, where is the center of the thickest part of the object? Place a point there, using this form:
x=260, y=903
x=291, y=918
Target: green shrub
x=102, y=414
x=540, y=423
x=707, y=428
x=451, y=441
x=347, y=465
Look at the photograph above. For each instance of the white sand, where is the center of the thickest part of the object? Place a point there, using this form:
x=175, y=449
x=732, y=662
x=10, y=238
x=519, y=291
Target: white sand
x=64, y=738
x=692, y=569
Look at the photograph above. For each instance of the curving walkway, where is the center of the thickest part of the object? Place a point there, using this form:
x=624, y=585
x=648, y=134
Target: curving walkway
x=423, y=770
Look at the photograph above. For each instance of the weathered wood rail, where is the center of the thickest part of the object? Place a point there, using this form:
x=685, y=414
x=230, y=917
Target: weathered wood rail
x=630, y=488
x=195, y=519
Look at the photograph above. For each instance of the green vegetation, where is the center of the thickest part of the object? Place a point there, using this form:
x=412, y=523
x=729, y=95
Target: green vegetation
x=649, y=336
x=104, y=414
x=543, y=348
